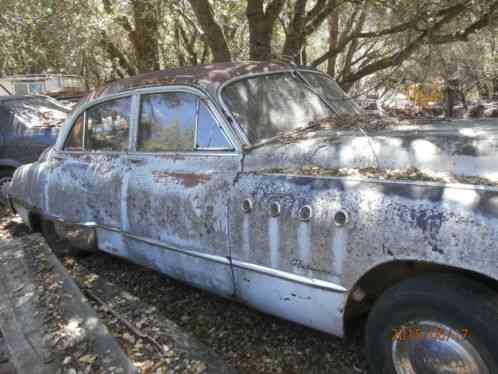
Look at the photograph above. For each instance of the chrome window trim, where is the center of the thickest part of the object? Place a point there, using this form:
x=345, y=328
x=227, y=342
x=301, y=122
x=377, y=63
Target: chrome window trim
x=206, y=99
x=130, y=124
x=219, y=93
x=135, y=119
x=69, y=133
x=197, y=109
x=217, y=122
x=193, y=154
x=69, y=123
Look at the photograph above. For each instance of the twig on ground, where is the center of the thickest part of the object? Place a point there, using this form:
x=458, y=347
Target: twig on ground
x=123, y=320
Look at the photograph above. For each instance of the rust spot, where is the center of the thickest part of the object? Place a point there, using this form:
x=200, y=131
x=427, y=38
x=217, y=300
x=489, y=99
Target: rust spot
x=188, y=180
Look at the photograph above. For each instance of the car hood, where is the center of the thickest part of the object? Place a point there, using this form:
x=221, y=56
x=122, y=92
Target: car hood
x=462, y=148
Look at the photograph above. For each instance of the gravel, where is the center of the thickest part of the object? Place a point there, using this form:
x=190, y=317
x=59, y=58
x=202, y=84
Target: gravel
x=248, y=341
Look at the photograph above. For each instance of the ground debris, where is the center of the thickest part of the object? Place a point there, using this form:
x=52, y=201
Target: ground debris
x=358, y=121
x=409, y=174
x=249, y=341
x=153, y=343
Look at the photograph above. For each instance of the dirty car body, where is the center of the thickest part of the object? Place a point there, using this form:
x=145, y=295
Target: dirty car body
x=198, y=173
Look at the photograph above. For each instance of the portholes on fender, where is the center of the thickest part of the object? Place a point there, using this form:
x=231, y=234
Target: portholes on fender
x=341, y=218
x=247, y=206
x=305, y=213
x=275, y=209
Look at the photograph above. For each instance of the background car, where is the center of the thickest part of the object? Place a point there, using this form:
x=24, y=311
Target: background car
x=28, y=125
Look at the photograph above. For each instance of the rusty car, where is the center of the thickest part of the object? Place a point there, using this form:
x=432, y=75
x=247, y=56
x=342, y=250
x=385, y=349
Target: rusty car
x=28, y=125
x=265, y=183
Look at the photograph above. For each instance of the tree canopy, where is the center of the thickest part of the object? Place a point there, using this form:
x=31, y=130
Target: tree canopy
x=356, y=41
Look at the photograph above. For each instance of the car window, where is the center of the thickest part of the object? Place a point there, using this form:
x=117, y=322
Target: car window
x=74, y=141
x=209, y=133
x=167, y=122
x=108, y=126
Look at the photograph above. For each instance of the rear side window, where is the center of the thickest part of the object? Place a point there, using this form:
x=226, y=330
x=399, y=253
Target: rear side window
x=167, y=122
x=209, y=134
x=108, y=126
x=74, y=141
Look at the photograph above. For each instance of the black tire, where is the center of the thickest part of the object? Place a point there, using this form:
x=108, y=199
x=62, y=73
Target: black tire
x=59, y=245
x=454, y=301
x=5, y=177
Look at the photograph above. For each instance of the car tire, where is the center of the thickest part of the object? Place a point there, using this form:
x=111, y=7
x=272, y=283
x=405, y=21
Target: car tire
x=58, y=244
x=5, y=177
x=423, y=325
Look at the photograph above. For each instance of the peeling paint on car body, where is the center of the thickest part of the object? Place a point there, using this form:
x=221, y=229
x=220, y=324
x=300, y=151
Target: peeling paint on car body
x=225, y=222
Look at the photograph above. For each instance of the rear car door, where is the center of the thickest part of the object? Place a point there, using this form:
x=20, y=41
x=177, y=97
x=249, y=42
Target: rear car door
x=177, y=190
x=85, y=182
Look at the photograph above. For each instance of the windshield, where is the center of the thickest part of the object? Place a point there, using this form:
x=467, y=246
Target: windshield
x=268, y=105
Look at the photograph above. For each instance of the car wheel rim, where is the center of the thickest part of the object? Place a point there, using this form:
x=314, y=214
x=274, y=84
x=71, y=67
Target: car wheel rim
x=433, y=348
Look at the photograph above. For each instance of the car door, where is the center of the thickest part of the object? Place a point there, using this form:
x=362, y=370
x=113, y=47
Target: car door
x=85, y=181
x=180, y=176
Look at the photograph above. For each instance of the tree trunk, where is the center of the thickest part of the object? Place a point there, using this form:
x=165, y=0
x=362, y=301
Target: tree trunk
x=261, y=24
x=333, y=42
x=212, y=31
x=295, y=37
x=451, y=97
x=146, y=35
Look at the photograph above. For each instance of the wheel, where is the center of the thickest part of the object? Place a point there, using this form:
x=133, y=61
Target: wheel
x=434, y=324
x=5, y=177
x=57, y=238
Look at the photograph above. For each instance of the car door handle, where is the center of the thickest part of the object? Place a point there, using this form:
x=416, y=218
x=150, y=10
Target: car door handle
x=137, y=161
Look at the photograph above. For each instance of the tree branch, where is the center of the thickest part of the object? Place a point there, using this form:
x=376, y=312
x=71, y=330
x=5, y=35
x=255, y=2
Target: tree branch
x=211, y=29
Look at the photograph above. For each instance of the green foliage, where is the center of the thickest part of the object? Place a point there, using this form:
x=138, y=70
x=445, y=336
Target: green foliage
x=375, y=39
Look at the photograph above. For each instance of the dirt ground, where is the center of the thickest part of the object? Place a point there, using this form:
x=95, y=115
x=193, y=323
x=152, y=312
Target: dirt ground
x=246, y=340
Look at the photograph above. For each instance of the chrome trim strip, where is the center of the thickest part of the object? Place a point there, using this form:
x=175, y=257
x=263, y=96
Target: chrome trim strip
x=140, y=155
x=289, y=276
x=135, y=119
x=203, y=256
x=311, y=282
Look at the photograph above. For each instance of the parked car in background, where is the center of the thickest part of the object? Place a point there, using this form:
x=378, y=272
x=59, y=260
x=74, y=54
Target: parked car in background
x=370, y=105
x=28, y=125
x=244, y=179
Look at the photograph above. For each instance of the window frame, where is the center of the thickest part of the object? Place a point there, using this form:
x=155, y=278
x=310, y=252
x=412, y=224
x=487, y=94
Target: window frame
x=219, y=93
x=130, y=125
x=83, y=137
x=232, y=135
x=60, y=146
x=234, y=147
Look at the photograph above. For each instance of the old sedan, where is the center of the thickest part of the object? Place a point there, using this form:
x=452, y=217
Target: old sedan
x=259, y=182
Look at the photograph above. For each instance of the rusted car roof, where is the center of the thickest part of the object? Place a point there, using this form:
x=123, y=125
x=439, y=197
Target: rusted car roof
x=208, y=76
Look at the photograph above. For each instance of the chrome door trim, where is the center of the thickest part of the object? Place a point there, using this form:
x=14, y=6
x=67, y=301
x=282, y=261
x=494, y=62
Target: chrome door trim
x=203, y=256
x=311, y=282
